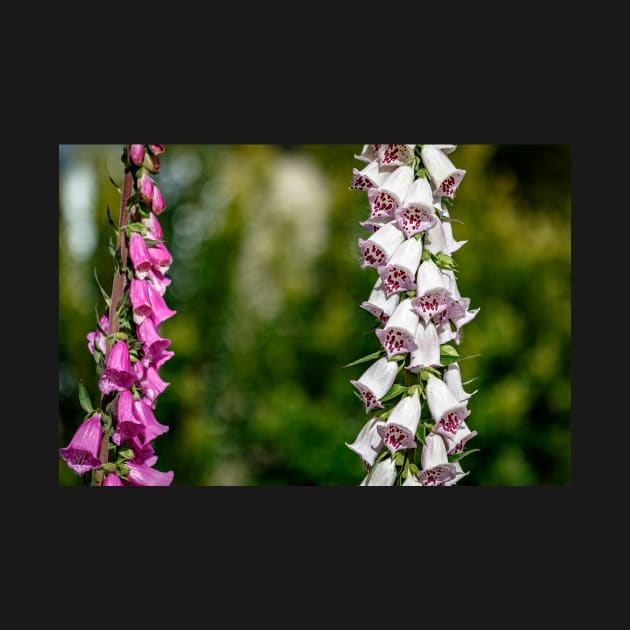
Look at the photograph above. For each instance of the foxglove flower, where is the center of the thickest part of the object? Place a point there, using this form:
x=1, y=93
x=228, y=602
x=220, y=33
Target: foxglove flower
x=400, y=429
x=82, y=453
x=369, y=177
x=159, y=309
x=140, y=475
x=140, y=300
x=379, y=303
x=399, y=274
x=140, y=256
x=378, y=249
x=149, y=381
x=386, y=198
x=433, y=295
x=160, y=257
x=375, y=382
x=427, y=354
x=157, y=201
x=445, y=177
x=368, y=443
x=436, y=470
x=154, y=346
x=382, y=474
x=453, y=379
x=145, y=189
x=447, y=412
x=417, y=301
x=399, y=334
x=136, y=154
x=118, y=374
x=112, y=479
x=128, y=425
x=416, y=213
x=96, y=339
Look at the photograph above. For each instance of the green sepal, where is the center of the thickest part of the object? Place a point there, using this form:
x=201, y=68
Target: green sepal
x=109, y=467
x=366, y=358
x=446, y=262
x=413, y=469
x=396, y=390
x=399, y=458
x=84, y=398
x=111, y=221
x=426, y=254
x=424, y=373
x=124, y=454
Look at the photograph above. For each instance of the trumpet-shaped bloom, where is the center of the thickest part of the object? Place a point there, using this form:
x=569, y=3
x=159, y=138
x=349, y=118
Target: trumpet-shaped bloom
x=416, y=213
x=375, y=382
x=368, y=443
x=128, y=425
x=453, y=380
x=118, y=374
x=369, y=177
x=395, y=154
x=400, y=429
x=459, y=474
x=444, y=176
x=159, y=309
x=160, y=257
x=382, y=474
x=140, y=300
x=447, y=412
x=450, y=244
x=96, y=339
x=378, y=249
x=379, y=303
x=427, y=354
x=151, y=428
x=145, y=189
x=158, y=205
x=112, y=479
x=399, y=334
x=140, y=475
x=154, y=229
x=385, y=199
x=140, y=255
x=436, y=470
x=154, y=346
x=82, y=453
x=369, y=153
x=399, y=274
x=149, y=381
x=455, y=444
x=432, y=294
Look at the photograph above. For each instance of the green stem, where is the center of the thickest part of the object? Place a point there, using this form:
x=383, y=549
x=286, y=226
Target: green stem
x=118, y=286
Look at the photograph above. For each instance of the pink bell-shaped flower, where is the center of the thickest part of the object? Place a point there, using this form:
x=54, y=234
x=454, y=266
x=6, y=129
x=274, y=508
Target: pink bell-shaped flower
x=82, y=453
x=118, y=374
x=140, y=475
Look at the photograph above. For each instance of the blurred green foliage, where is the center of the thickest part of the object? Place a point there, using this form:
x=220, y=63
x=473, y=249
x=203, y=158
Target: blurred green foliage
x=266, y=281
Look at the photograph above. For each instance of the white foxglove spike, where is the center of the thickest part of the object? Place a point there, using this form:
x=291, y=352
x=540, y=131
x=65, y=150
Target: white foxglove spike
x=399, y=334
x=383, y=474
x=391, y=193
x=399, y=431
x=432, y=294
x=377, y=249
x=369, y=177
x=416, y=213
x=368, y=443
x=453, y=380
x=375, y=382
x=399, y=274
x=447, y=412
x=427, y=354
x=445, y=178
x=379, y=304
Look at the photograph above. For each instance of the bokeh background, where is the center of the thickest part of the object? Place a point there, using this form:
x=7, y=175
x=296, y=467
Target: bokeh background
x=267, y=282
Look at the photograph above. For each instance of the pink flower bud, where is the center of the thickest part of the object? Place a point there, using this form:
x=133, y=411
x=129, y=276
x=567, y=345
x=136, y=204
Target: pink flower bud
x=136, y=153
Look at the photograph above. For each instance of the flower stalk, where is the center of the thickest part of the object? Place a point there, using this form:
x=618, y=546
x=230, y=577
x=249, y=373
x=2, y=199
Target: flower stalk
x=419, y=406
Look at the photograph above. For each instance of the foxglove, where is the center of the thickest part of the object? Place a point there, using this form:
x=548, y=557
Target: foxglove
x=116, y=441
x=420, y=313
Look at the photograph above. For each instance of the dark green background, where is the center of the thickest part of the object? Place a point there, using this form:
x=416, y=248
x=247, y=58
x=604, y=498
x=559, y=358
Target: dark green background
x=267, y=284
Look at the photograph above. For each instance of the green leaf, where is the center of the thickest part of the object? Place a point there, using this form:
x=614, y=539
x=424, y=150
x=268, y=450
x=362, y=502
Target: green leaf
x=396, y=390
x=111, y=221
x=111, y=179
x=84, y=398
x=366, y=358
x=103, y=293
x=456, y=458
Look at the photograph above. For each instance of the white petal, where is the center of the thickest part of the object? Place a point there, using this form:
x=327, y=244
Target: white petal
x=383, y=474
x=433, y=452
x=435, y=240
x=368, y=442
x=380, y=376
x=427, y=353
x=404, y=318
x=406, y=413
x=378, y=304
x=397, y=183
x=445, y=177
x=443, y=404
x=453, y=379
